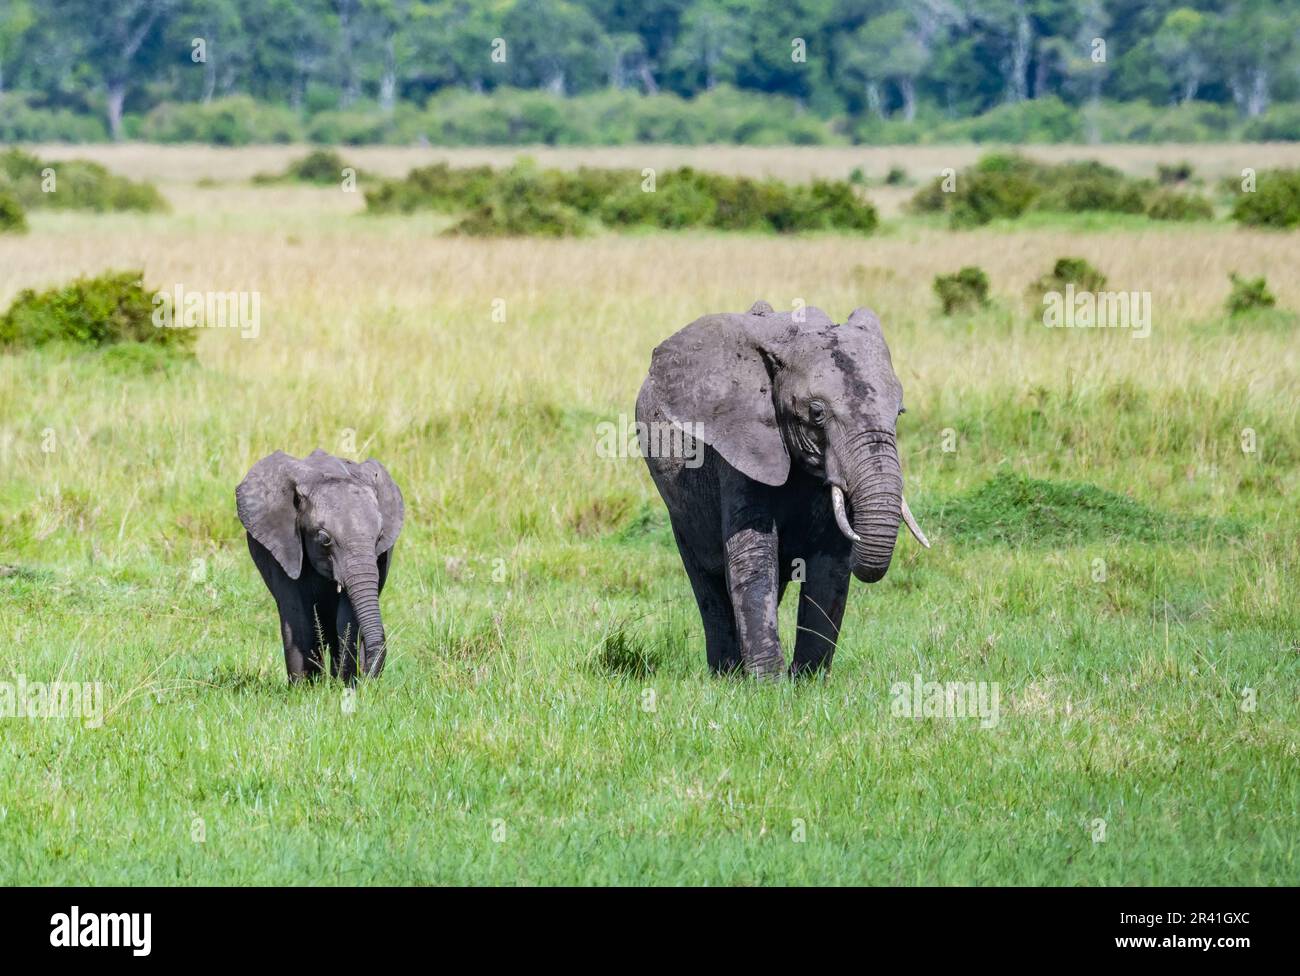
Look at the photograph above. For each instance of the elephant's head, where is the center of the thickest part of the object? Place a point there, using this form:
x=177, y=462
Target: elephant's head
x=343, y=515
x=764, y=388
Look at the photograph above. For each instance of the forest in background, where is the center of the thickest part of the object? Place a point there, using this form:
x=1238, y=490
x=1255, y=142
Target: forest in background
x=455, y=72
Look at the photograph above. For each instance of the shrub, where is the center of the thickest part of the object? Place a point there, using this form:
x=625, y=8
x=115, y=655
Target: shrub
x=1040, y=120
x=366, y=126
x=507, y=217
x=1006, y=185
x=111, y=308
x=1095, y=193
x=12, y=218
x=1069, y=271
x=1275, y=202
x=832, y=205
x=78, y=185
x=320, y=167
x=1249, y=294
x=1281, y=123
x=520, y=206
x=896, y=176
x=985, y=196
x=1169, y=205
x=931, y=198
x=1179, y=172
x=22, y=121
x=677, y=202
x=682, y=198
x=235, y=121
x=437, y=187
x=1087, y=185
x=967, y=290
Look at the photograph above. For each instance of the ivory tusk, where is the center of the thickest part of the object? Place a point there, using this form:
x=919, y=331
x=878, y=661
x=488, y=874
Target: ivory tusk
x=842, y=519
x=912, y=526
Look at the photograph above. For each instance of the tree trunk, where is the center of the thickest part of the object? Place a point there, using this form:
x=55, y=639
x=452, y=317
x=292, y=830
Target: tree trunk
x=388, y=83
x=1257, y=100
x=873, y=100
x=648, y=80
x=116, y=99
x=907, y=88
x=1020, y=48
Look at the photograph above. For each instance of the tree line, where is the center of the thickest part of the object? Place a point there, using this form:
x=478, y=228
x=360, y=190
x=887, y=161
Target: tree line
x=881, y=59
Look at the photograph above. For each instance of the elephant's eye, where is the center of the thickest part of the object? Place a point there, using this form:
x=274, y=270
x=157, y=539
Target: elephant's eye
x=324, y=539
x=817, y=411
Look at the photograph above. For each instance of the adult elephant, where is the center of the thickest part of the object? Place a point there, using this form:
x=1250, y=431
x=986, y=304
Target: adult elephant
x=784, y=465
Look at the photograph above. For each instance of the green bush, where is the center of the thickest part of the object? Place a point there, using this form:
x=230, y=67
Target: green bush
x=22, y=121
x=438, y=187
x=519, y=217
x=1089, y=186
x=1170, y=205
x=111, y=308
x=1281, y=123
x=1007, y=185
x=1068, y=271
x=321, y=167
x=1179, y=172
x=1139, y=121
x=523, y=196
x=1249, y=294
x=1275, y=202
x=897, y=176
x=509, y=116
x=967, y=290
x=12, y=218
x=677, y=202
x=520, y=203
x=366, y=125
x=235, y=121
x=981, y=197
x=78, y=185
x=1039, y=120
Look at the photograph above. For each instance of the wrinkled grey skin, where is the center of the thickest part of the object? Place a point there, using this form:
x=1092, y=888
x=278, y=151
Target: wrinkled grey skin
x=786, y=409
x=344, y=517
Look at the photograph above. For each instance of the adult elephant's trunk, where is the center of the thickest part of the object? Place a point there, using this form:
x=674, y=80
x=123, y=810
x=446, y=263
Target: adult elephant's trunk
x=875, y=490
x=360, y=577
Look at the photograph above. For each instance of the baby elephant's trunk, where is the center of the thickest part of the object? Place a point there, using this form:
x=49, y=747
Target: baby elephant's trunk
x=361, y=579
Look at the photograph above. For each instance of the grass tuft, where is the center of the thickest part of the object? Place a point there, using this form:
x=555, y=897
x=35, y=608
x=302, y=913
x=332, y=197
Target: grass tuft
x=1017, y=510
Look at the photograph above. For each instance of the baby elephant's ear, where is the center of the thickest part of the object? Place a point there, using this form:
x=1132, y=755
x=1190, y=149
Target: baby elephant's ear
x=265, y=503
x=391, y=508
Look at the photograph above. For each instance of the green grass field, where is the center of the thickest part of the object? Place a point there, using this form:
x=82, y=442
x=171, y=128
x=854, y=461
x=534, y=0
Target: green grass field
x=1105, y=551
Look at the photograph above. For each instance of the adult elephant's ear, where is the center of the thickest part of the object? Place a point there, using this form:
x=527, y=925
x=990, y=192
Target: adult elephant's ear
x=714, y=380
x=391, y=507
x=265, y=500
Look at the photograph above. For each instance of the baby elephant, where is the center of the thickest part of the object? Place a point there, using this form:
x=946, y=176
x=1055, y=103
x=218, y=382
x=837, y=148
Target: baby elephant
x=345, y=516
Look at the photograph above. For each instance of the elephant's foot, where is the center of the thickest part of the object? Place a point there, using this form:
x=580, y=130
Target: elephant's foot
x=767, y=667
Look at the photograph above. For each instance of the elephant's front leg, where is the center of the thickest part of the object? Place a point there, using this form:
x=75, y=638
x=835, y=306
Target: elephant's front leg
x=301, y=637
x=349, y=632
x=752, y=579
x=822, y=597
